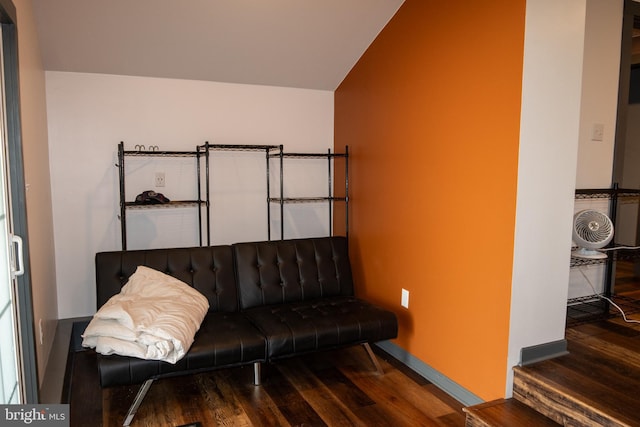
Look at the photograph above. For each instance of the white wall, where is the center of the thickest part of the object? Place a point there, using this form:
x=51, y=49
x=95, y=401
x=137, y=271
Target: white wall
x=550, y=125
x=36, y=170
x=599, y=98
x=599, y=104
x=89, y=114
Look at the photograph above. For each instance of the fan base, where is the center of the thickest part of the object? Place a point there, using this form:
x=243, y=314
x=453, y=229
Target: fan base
x=588, y=254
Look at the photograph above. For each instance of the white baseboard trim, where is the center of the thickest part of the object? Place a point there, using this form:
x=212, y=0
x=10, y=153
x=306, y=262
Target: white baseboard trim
x=458, y=392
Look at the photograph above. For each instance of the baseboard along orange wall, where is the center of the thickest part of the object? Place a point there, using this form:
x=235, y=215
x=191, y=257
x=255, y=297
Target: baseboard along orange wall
x=431, y=116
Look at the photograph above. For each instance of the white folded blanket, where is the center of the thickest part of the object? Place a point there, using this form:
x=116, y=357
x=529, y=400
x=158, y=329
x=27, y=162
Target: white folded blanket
x=155, y=316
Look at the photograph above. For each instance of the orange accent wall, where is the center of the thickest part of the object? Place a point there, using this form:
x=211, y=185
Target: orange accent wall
x=431, y=115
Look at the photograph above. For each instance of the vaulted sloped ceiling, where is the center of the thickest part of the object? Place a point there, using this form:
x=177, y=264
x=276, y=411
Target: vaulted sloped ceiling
x=294, y=43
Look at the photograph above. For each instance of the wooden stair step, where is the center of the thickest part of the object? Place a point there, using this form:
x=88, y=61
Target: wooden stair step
x=505, y=412
x=555, y=389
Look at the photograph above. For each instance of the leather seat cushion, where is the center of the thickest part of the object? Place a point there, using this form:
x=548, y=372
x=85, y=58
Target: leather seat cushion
x=325, y=323
x=223, y=340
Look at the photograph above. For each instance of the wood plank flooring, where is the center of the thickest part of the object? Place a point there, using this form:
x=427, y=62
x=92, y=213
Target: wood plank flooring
x=507, y=413
x=338, y=388
x=596, y=384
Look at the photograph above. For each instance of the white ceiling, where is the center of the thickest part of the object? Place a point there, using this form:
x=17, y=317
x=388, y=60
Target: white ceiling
x=294, y=43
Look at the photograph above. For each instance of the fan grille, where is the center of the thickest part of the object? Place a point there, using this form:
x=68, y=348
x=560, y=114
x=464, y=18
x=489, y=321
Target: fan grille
x=593, y=227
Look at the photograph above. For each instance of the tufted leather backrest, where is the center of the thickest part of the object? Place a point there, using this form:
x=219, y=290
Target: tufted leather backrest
x=210, y=270
x=275, y=272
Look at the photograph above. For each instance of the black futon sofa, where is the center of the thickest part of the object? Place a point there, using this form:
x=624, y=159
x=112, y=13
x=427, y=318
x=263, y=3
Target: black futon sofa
x=267, y=301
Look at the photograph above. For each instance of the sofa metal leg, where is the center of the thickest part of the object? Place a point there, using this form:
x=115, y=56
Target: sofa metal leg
x=137, y=401
x=373, y=357
x=257, y=373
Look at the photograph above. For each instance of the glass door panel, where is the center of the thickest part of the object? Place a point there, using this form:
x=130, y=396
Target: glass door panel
x=11, y=390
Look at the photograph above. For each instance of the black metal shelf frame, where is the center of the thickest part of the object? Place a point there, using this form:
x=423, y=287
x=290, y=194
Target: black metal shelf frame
x=172, y=204
x=203, y=152
x=330, y=199
x=206, y=148
x=615, y=195
x=124, y=205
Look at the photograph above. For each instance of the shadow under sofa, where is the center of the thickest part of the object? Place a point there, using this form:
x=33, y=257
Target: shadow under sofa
x=267, y=301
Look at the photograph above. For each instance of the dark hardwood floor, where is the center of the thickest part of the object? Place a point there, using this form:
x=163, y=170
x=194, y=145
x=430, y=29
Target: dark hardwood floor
x=597, y=384
x=627, y=282
x=338, y=388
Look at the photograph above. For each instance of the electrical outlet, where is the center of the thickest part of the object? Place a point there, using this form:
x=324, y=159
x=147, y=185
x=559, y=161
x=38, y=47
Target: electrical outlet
x=405, y=298
x=597, y=133
x=159, y=179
